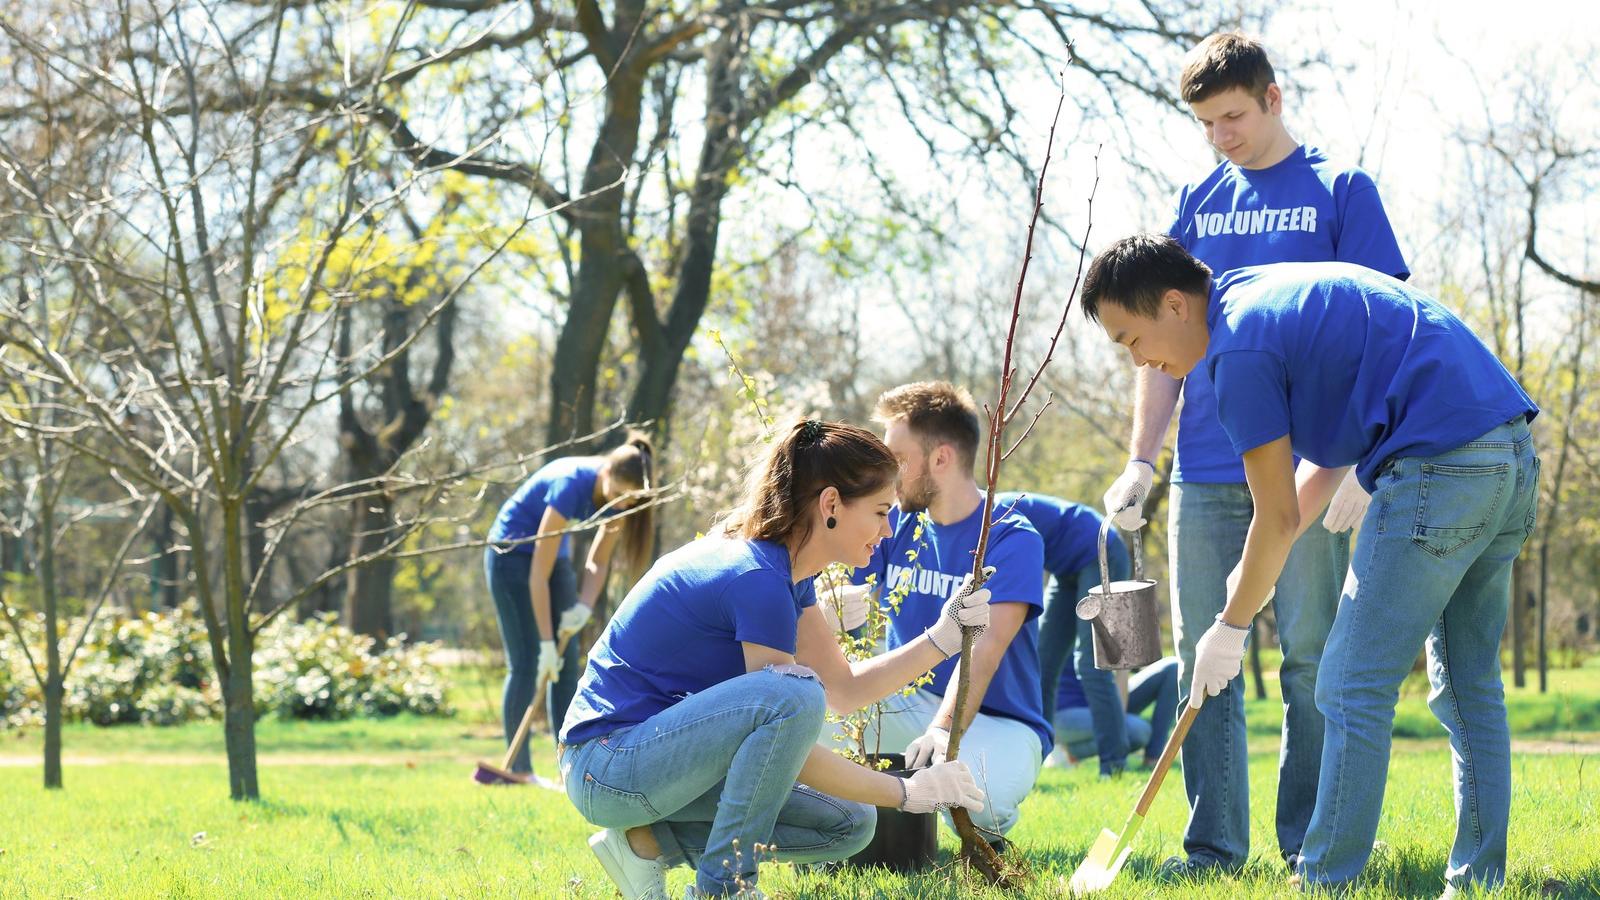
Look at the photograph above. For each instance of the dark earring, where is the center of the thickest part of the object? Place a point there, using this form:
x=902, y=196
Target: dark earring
x=832, y=522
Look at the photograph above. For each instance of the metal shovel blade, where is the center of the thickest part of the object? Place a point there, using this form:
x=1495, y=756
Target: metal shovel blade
x=1105, y=859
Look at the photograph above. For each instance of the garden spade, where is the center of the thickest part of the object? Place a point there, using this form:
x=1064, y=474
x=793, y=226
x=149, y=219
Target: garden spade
x=1111, y=850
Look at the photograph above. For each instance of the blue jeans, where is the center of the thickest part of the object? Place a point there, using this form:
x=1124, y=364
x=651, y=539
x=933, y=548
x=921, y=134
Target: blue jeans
x=507, y=574
x=1063, y=634
x=1432, y=569
x=1155, y=688
x=1208, y=527
x=714, y=777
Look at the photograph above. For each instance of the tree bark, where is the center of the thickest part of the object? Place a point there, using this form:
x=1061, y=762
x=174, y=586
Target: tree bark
x=52, y=638
x=238, y=688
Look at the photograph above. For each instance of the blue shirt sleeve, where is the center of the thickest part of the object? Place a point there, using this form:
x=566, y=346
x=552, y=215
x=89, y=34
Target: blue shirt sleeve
x=762, y=609
x=567, y=497
x=1252, y=388
x=1365, y=236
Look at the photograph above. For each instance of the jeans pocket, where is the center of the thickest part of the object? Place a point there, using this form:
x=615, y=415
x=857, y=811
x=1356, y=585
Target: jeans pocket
x=1455, y=504
x=614, y=807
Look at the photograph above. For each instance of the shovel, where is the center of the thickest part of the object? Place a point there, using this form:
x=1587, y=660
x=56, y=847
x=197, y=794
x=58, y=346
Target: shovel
x=1111, y=850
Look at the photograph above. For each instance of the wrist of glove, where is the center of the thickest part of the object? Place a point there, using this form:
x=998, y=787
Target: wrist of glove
x=573, y=619
x=969, y=608
x=943, y=786
x=1348, y=506
x=1124, y=501
x=932, y=748
x=1218, y=659
x=549, y=660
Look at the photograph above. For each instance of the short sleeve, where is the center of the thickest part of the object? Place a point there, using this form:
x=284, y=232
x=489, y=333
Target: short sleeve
x=761, y=606
x=1252, y=390
x=567, y=497
x=1017, y=554
x=1365, y=236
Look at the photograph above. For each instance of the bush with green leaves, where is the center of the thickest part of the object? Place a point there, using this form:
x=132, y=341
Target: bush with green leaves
x=155, y=669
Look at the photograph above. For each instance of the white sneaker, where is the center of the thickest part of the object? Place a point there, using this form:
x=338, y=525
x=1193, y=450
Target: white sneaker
x=1058, y=759
x=637, y=878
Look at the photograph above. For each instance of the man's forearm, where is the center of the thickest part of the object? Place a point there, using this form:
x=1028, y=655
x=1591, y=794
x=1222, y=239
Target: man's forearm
x=1315, y=487
x=1155, y=396
x=985, y=660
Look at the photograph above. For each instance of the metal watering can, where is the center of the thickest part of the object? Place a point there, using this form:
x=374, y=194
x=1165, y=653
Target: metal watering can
x=1124, y=615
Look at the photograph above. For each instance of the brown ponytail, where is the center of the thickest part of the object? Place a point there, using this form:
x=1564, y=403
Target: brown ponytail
x=632, y=463
x=809, y=457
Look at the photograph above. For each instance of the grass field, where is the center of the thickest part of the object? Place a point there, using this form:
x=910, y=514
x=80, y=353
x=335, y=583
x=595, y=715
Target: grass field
x=387, y=809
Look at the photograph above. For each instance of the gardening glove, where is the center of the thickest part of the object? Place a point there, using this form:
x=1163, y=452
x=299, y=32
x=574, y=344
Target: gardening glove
x=549, y=662
x=968, y=607
x=930, y=749
x=573, y=619
x=1218, y=659
x=1348, y=505
x=843, y=605
x=943, y=786
x=1233, y=585
x=1125, y=498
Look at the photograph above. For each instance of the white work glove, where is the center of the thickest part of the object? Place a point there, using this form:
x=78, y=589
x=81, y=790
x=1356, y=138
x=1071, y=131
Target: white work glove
x=1348, y=505
x=842, y=602
x=549, y=662
x=1233, y=585
x=968, y=607
x=1218, y=659
x=942, y=786
x=930, y=749
x=572, y=620
x=1125, y=498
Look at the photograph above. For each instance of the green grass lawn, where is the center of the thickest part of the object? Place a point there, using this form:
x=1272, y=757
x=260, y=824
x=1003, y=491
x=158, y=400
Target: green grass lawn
x=387, y=808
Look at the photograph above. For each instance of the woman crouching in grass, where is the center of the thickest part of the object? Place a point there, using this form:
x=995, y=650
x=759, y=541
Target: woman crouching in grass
x=693, y=736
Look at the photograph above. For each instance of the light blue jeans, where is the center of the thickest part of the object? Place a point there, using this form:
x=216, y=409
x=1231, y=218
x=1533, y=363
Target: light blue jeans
x=1432, y=569
x=714, y=777
x=1155, y=687
x=1062, y=635
x=1208, y=526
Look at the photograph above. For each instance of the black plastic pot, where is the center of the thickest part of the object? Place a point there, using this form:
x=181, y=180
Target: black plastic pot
x=903, y=842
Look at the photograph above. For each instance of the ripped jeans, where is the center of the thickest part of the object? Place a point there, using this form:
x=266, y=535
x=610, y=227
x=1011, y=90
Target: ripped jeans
x=714, y=777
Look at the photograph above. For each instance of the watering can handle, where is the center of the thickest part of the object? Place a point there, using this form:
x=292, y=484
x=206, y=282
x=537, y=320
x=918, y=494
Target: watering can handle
x=1105, y=566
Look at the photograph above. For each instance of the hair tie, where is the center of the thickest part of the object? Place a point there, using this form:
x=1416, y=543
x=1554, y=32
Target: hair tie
x=811, y=431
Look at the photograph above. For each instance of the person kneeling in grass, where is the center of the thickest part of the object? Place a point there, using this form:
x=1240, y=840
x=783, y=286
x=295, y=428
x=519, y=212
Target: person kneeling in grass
x=1347, y=367
x=1078, y=732
x=693, y=736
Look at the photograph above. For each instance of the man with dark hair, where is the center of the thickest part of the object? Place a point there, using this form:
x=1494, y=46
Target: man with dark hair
x=933, y=430
x=1387, y=381
x=1271, y=200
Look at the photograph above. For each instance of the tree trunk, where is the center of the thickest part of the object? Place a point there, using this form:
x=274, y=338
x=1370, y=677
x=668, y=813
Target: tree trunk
x=1255, y=659
x=52, y=635
x=369, y=594
x=600, y=272
x=238, y=689
x=239, y=719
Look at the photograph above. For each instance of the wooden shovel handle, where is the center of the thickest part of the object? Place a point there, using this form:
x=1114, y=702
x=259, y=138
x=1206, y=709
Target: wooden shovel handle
x=1179, y=732
x=521, y=737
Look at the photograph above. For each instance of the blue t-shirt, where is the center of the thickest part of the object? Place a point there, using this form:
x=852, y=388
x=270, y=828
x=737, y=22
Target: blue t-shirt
x=1071, y=531
x=682, y=628
x=1303, y=209
x=566, y=484
x=1356, y=367
x=933, y=565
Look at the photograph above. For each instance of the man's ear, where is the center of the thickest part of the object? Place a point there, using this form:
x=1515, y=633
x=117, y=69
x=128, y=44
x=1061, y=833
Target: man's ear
x=940, y=458
x=1178, y=302
x=1274, y=99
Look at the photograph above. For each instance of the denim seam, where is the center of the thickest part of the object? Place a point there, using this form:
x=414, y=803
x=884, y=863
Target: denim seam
x=1499, y=470
x=1469, y=771
x=845, y=814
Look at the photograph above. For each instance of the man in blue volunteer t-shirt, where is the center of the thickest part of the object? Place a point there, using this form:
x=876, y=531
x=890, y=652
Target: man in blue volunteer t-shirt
x=933, y=430
x=1271, y=200
x=1348, y=368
